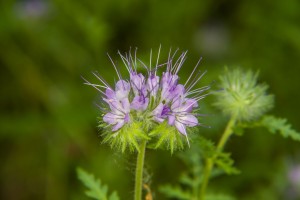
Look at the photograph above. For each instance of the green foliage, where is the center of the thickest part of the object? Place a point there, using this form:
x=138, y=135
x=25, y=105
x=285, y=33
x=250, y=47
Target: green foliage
x=218, y=197
x=95, y=189
x=189, y=180
x=207, y=147
x=281, y=126
x=167, y=137
x=225, y=162
x=45, y=51
x=241, y=96
x=128, y=137
x=175, y=192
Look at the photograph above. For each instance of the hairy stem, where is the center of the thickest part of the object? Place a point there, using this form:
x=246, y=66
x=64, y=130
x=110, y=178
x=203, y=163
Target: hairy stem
x=209, y=162
x=139, y=172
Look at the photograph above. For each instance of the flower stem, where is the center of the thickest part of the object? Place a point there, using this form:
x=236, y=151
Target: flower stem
x=211, y=161
x=139, y=172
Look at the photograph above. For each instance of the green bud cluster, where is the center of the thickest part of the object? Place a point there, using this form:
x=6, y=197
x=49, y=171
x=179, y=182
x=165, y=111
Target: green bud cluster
x=241, y=96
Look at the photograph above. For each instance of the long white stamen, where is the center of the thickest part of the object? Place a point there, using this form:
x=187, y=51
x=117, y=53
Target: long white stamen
x=115, y=67
x=135, y=55
x=174, y=67
x=199, y=90
x=88, y=83
x=193, y=71
x=150, y=58
x=126, y=63
x=158, y=54
x=101, y=79
x=181, y=63
x=190, y=87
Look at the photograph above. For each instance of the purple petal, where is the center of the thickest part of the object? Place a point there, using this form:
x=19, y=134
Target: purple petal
x=168, y=80
x=166, y=110
x=139, y=103
x=177, y=102
x=110, y=94
x=173, y=92
x=171, y=120
x=115, y=106
x=180, y=127
x=157, y=113
x=127, y=118
x=110, y=118
x=189, y=105
x=189, y=120
x=153, y=84
x=125, y=105
x=179, y=90
x=118, y=125
x=138, y=84
x=122, y=89
x=158, y=110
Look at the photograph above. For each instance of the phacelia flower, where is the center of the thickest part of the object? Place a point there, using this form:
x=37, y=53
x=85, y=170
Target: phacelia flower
x=151, y=106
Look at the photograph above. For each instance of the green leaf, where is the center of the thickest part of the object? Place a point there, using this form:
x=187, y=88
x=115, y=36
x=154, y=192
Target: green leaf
x=238, y=130
x=185, y=179
x=175, y=192
x=280, y=125
x=207, y=147
x=224, y=161
x=95, y=189
x=113, y=196
x=218, y=197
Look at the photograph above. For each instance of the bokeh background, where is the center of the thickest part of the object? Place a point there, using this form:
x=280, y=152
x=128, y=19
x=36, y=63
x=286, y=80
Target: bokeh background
x=48, y=120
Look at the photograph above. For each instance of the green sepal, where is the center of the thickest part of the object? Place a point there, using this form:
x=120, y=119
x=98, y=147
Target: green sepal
x=166, y=137
x=128, y=137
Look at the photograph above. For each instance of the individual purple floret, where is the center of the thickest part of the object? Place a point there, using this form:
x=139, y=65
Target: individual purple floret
x=119, y=114
x=153, y=84
x=140, y=102
x=161, y=112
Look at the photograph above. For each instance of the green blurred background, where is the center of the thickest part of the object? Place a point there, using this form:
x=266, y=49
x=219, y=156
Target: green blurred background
x=48, y=122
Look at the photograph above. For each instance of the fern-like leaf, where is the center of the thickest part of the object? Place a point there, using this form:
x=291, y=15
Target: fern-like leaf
x=95, y=189
x=225, y=162
x=274, y=125
x=222, y=160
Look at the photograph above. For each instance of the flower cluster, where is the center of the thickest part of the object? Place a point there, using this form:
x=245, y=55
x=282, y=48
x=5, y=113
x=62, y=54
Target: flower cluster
x=136, y=108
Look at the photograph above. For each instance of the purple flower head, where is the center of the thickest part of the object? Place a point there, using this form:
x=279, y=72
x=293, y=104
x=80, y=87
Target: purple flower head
x=150, y=98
